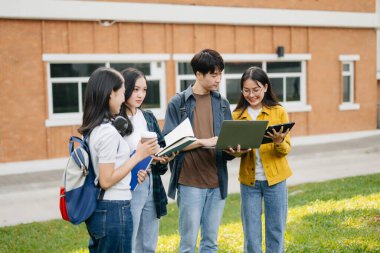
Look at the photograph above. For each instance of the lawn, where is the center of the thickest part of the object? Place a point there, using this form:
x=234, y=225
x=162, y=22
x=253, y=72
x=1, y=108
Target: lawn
x=335, y=216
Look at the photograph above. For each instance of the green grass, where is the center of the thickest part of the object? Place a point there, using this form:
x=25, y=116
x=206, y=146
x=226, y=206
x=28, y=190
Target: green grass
x=335, y=216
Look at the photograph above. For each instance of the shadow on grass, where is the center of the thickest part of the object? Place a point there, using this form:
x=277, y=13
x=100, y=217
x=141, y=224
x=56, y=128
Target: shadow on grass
x=50, y=236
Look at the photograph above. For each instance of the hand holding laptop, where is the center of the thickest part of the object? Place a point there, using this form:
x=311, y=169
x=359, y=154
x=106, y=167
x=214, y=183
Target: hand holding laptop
x=238, y=151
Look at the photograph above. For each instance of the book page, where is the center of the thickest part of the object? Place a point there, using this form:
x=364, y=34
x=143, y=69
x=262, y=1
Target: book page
x=182, y=130
x=177, y=146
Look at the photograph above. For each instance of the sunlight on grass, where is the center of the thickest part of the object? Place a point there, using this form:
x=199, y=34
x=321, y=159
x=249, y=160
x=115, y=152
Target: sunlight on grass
x=80, y=251
x=230, y=240
x=335, y=225
x=168, y=243
x=332, y=224
x=356, y=203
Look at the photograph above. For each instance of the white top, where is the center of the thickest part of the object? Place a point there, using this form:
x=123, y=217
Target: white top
x=139, y=126
x=260, y=174
x=107, y=146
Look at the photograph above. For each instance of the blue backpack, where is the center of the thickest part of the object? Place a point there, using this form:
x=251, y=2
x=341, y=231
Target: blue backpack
x=78, y=193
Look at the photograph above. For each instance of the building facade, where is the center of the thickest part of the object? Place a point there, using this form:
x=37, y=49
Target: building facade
x=325, y=77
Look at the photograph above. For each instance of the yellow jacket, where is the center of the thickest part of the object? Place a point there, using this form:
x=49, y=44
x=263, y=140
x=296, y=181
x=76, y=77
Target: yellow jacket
x=273, y=156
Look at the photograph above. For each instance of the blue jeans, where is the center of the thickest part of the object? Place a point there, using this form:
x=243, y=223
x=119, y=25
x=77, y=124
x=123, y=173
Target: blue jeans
x=145, y=221
x=199, y=208
x=110, y=227
x=275, y=209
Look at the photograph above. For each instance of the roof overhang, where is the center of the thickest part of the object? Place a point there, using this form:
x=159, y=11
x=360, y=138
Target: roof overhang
x=180, y=14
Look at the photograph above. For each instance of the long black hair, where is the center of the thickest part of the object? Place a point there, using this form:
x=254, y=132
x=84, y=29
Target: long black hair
x=97, y=96
x=256, y=74
x=130, y=76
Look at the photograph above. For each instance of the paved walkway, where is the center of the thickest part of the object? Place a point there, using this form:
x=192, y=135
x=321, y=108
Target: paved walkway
x=34, y=196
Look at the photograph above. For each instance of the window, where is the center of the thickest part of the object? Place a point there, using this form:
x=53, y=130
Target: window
x=288, y=77
x=232, y=75
x=153, y=95
x=286, y=80
x=68, y=83
x=68, y=77
x=185, y=75
x=348, y=82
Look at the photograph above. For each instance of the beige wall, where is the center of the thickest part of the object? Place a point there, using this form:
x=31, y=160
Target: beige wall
x=23, y=86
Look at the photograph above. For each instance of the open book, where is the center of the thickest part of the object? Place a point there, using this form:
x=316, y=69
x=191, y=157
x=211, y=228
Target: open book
x=179, y=138
x=142, y=165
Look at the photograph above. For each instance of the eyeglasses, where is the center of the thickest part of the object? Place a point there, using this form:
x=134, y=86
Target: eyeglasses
x=255, y=91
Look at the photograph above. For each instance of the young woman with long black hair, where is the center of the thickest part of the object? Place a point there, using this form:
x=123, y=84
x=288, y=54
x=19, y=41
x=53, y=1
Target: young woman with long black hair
x=110, y=226
x=263, y=172
x=149, y=199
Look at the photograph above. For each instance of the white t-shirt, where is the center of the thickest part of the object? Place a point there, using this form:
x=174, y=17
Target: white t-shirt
x=259, y=173
x=107, y=146
x=139, y=125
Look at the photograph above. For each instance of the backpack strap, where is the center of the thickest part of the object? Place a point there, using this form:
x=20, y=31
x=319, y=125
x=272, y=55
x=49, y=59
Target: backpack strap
x=101, y=194
x=182, y=107
x=72, y=140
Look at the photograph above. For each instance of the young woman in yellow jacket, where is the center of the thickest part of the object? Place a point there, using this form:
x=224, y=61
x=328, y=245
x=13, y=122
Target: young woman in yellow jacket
x=263, y=171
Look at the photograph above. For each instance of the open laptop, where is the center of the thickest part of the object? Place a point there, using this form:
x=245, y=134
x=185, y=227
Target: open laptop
x=247, y=133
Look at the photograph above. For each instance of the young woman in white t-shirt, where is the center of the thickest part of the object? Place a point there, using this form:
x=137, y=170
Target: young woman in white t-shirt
x=149, y=199
x=110, y=226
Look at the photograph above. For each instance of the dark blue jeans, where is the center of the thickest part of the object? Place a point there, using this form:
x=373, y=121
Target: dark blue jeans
x=110, y=227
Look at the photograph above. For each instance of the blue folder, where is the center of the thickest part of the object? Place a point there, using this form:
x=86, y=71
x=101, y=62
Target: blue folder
x=142, y=165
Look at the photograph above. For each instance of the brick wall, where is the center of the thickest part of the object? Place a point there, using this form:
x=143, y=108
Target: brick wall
x=23, y=85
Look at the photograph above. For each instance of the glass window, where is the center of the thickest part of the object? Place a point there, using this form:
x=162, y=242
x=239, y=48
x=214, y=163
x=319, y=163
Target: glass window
x=346, y=67
x=152, y=99
x=233, y=90
x=65, y=97
x=68, y=84
x=84, y=85
x=293, y=89
x=185, y=76
x=143, y=67
x=284, y=67
x=287, y=78
x=348, y=82
x=184, y=68
x=185, y=83
x=74, y=69
x=239, y=67
x=278, y=87
x=346, y=89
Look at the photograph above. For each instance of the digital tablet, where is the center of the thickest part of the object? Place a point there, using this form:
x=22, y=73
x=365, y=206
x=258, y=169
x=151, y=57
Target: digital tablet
x=247, y=133
x=270, y=128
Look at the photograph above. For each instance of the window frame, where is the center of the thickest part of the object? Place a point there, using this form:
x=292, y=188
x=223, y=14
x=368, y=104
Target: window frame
x=292, y=106
x=350, y=60
x=157, y=67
